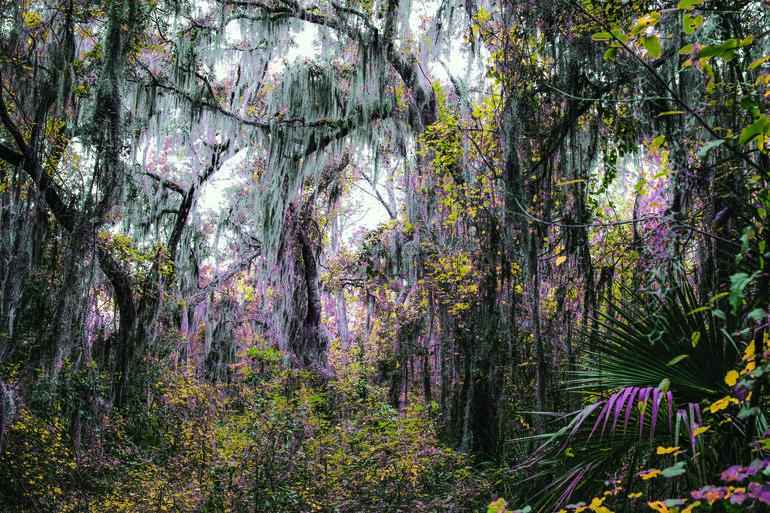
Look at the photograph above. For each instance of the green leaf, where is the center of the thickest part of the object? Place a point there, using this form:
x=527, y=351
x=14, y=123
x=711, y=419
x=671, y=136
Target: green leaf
x=695, y=338
x=676, y=470
x=611, y=54
x=676, y=360
x=713, y=144
x=602, y=36
x=744, y=244
x=710, y=51
x=758, y=128
x=620, y=36
x=655, y=145
x=691, y=23
x=652, y=45
x=718, y=313
x=738, y=283
x=687, y=4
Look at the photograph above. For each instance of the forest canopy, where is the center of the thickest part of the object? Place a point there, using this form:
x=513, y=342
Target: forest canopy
x=284, y=255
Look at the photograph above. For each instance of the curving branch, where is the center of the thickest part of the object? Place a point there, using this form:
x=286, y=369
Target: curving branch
x=217, y=281
x=291, y=9
x=165, y=183
x=117, y=276
x=65, y=215
x=336, y=128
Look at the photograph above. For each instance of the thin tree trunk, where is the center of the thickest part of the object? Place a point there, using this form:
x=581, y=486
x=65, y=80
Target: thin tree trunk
x=312, y=352
x=541, y=381
x=342, y=313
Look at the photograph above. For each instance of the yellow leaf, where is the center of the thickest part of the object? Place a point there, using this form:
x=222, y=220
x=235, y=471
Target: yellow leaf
x=721, y=404
x=759, y=62
x=677, y=359
x=749, y=354
x=649, y=474
x=561, y=260
x=731, y=378
x=596, y=506
x=647, y=20
x=689, y=508
x=571, y=181
x=658, y=506
x=700, y=430
x=667, y=450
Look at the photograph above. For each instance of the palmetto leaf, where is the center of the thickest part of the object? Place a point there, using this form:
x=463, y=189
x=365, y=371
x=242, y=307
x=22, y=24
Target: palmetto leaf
x=640, y=348
x=654, y=421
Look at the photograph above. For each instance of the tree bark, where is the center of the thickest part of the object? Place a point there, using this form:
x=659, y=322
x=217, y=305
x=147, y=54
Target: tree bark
x=312, y=350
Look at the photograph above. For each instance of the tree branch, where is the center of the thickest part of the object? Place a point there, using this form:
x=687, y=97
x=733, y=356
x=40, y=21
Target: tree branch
x=12, y=128
x=66, y=216
x=667, y=87
x=294, y=10
x=165, y=183
x=220, y=279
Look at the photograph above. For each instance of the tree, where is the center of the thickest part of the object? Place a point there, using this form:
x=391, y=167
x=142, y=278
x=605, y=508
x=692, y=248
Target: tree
x=62, y=107
x=41, y=77
x=688, y=209
x=364, y=84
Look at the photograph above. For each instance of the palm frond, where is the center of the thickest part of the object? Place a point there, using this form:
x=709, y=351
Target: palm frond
x=652, y=363
x=597, y=440
x=671, y=339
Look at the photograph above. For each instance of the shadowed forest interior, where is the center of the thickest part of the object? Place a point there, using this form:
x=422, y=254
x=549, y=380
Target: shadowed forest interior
x=384, y=256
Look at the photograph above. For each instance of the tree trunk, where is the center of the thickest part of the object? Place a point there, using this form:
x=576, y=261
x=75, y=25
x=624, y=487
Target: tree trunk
x=312, y=344
x=342, y=314
x=121, y=285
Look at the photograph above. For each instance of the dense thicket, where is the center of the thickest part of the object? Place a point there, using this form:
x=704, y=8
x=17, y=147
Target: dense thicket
x=566, y=298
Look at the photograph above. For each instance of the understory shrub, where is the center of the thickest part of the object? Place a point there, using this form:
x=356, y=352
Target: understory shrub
x=289, y=442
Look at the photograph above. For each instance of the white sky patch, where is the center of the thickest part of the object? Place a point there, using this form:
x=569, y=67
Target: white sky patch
x=369, y=214
x=307, y=46
x=215, y=193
